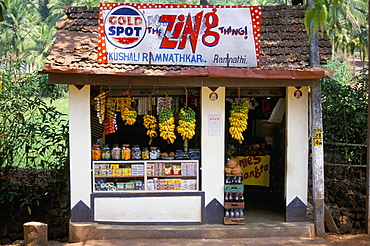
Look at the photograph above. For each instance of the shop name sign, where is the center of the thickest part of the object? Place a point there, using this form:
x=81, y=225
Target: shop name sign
x=168, y=34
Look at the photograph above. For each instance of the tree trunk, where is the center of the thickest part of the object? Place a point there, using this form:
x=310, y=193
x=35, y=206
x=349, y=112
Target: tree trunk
x=367, y=222
x=314, y=44
x=35, y=234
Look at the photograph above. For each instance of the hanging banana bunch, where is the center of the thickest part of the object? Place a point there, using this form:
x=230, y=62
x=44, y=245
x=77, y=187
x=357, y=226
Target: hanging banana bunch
x=150, y=123
x=238, y=119
x=186, y=126
x=166, y=125
x=129, y=115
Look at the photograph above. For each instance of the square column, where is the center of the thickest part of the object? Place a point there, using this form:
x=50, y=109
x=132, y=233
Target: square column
x=296, y=180
x=80, y=153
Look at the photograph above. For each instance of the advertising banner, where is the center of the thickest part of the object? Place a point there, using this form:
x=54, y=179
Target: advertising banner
x=177, y=34
x=256, y=169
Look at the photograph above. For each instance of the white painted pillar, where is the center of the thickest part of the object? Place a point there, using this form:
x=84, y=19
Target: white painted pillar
x=213, y=144
x=296, y=154
x=80, y=145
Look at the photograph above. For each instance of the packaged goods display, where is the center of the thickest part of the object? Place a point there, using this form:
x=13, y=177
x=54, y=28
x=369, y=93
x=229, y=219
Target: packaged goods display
x=96, y=152
x=145, y=153
x=106, y=154
x=171, y=184
x=147, y=175
x=136, y=152
x=126, y=152
x=153, y=154
x=116, y=152
x=140, y=153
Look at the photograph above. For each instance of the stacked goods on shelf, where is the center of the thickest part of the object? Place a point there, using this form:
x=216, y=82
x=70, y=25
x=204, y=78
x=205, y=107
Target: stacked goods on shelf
x=234, y=195
x=171, y=184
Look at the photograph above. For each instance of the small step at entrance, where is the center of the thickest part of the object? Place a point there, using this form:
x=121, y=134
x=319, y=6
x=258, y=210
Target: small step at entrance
x=88, y=231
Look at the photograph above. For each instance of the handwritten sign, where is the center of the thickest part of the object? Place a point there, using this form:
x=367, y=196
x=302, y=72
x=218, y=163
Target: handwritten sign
x=256, y=169
x=178, y=34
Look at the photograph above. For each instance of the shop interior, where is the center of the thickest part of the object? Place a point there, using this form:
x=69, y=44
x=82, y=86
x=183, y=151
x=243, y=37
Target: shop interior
x=264, y=135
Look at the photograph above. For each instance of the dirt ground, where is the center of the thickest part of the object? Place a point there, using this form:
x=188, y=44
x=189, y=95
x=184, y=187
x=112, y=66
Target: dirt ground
x=352, y=240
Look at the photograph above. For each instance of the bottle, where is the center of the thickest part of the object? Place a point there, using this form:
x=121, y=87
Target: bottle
x=96, y=152
x=116, y=152
x=239, y=180
x=241, y=213
x=227, y=213
x=145, y=153
x=237, y=214
x=153, y=153
x=126, y=152
x=241, y=197
x=106, y=155
x=232, y=215
x=136, y=152
x=231, y=199
x=226, y=197
x=236, y=198
x=227, y=180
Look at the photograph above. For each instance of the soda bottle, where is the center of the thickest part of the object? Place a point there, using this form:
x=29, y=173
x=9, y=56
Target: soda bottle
x=227, y=213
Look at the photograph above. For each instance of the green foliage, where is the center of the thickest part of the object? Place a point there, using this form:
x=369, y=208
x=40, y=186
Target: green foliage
x=344, y=103
x=345, y=22
x=32, y=133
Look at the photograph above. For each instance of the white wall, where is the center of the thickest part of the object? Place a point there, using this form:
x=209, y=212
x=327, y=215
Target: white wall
x=148, y=209
x=213, y=145
x=80, y=144
x=297, y=145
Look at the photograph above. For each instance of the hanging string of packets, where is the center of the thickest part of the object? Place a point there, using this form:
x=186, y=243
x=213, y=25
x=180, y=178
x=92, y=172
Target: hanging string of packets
x=107, y=109
x=100, y=106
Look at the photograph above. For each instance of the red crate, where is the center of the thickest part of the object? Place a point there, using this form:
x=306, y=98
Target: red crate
x=234, y=205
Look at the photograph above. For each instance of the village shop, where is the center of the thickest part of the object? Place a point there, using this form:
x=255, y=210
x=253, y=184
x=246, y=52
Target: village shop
x=132, y=86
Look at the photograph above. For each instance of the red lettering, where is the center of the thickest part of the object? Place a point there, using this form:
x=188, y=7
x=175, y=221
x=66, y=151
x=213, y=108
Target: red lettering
x=179, y=26
x=192, y=31
x=122, y=20
x=112, y=20
x=166, y=42
x=211, y=21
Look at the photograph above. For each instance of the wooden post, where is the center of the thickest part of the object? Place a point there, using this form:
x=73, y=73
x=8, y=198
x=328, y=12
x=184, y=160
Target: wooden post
x=317, y=160
x=35, y=234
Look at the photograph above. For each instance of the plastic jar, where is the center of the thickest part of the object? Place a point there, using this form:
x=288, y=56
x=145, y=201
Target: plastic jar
x=153, y=154
x=116, y=152
x=126, y=152
x=96, y=152
x=106, y=154
x=145, y=153
x=136, y=152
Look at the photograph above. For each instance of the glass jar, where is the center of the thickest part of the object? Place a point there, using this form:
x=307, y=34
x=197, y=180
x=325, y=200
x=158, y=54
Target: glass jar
x=136, y=152
x=106, y=155
x=145, y=153
x=153, y=153
x=116, y=152
x=126, y=152
x=96, y=152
